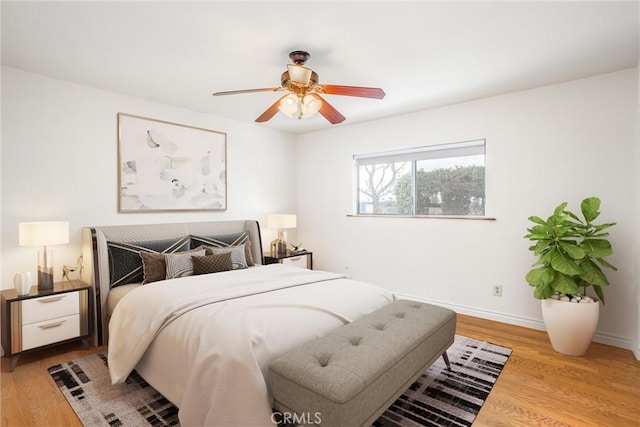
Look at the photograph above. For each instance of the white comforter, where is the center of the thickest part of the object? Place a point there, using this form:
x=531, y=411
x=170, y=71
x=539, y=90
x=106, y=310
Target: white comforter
x=206, y=342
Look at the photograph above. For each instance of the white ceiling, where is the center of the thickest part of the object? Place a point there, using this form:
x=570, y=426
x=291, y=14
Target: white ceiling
x=423, y=54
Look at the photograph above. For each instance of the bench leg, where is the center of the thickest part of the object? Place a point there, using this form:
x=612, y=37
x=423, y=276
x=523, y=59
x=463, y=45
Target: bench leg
x=446, y=360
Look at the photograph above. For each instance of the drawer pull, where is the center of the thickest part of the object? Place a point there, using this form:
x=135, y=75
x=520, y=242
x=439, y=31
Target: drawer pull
x=51, y=325
x=54, y=299
x=296, y=259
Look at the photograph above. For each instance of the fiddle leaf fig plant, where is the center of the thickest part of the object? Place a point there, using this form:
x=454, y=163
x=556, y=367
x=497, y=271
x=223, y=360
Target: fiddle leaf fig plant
x=571, y=252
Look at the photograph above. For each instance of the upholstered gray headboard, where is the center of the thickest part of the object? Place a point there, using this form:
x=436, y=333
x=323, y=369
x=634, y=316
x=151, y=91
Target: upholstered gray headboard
x=97, y=263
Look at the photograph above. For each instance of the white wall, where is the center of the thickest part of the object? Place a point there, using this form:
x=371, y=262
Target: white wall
x=59, y=162
x=544, y=146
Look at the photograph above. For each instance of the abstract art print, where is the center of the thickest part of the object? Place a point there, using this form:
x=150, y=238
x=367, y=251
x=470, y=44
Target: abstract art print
x=164, y=166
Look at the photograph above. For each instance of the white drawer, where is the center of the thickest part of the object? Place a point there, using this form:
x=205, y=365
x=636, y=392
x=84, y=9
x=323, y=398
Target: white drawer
x=50, y=307
x=298, y=261
x=50, y=331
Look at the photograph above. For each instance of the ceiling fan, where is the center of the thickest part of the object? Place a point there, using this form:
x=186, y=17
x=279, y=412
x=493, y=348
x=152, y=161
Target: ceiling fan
x=303, y=98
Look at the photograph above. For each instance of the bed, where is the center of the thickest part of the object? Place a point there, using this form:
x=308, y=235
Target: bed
x=205, y=341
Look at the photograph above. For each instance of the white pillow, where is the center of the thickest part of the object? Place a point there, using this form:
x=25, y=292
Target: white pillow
x=181, y=264
x=238, y=259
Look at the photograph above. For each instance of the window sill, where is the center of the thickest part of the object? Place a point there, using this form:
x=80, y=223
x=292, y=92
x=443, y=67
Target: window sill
x=462, y=217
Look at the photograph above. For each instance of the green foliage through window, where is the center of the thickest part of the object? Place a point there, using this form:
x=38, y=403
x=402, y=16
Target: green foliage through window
x=447, y=179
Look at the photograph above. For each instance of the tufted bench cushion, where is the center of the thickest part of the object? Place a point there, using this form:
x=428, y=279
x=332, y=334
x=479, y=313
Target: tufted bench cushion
x=351, y=375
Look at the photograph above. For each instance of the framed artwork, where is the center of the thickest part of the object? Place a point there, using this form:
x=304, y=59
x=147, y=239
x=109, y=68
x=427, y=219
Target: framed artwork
x=164, y=166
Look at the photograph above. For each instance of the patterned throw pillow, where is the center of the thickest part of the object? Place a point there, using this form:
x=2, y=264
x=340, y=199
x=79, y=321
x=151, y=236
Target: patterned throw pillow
x=154, y=267
x=238, y=258
x=211, y=263
x=226, y=241
x=180, y=264
x=125, y=262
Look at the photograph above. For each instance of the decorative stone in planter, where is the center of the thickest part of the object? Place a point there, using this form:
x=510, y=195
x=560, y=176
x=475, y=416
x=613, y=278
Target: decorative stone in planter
x=571, y=322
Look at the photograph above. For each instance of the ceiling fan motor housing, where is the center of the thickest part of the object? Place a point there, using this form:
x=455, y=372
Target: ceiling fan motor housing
x=299, y=57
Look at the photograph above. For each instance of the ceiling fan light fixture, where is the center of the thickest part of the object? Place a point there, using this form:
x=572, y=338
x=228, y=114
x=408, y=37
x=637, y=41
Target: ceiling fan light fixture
x=310, y=105
x=299, y=74
x=289, y=105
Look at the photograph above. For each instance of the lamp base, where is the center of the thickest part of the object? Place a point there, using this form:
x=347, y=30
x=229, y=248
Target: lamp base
x=278, y=247
x=45, y=281
x=45, y=270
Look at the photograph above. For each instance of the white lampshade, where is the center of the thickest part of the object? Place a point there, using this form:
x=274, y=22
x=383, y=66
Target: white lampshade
x=281, y=221
x=43, y=233
x=310, y=105
x=299, y=74
x=289, y=105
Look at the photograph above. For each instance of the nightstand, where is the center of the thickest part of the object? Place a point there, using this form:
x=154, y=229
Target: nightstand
x=43, y=318
x=303, y=259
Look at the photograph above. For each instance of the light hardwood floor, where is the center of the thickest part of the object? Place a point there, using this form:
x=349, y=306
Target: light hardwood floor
x=538, y=386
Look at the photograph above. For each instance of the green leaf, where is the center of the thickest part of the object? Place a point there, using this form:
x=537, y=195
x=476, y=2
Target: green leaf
x=564, y=283
x=598, y=228
x=545, y=258
x=563, y=263
x=592, y=274
x=540, y=276
x=537, y=220
x=543, y=292
x=572, y=249
x=599, y=292
x=560, y=209
x=597, y=248
x=541, y=246
x=606, y=264
x=590, y=207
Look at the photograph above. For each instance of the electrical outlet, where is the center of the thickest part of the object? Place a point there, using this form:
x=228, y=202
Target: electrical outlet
x=497, y=290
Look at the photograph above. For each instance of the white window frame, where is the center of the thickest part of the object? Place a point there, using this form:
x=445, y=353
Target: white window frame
x=438, y=151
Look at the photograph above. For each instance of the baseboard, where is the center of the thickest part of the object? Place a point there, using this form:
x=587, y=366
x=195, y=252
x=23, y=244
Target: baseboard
x=526, y=322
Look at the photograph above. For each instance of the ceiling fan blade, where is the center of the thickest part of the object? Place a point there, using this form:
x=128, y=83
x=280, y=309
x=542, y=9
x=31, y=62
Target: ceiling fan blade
x=235, y=92
x=329, y=112
x=270, y=112
x=362, y=92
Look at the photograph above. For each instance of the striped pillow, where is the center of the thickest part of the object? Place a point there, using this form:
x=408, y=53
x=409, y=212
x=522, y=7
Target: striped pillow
x=226, y=241
x=181, y=264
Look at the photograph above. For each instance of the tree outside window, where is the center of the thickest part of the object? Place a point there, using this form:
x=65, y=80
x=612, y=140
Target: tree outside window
x=448, y=179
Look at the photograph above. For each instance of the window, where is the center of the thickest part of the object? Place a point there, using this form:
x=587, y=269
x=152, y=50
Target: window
x=444, y=179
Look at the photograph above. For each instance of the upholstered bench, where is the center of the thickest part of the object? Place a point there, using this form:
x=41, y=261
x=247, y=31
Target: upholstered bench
x=350, y=376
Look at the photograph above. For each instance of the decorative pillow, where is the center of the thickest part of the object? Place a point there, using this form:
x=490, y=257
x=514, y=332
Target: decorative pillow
x=211, y=263
x=180, y=264
x=125, y=262
x=154, y=267
x=225, y=241
x=237, y=255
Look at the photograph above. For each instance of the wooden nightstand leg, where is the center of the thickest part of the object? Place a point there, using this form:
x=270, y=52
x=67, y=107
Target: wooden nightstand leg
x=85, y=343
x=13, y=363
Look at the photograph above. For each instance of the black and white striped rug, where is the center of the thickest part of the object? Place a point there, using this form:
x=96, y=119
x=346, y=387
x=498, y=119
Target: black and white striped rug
x=450, y=398
x=438, y=398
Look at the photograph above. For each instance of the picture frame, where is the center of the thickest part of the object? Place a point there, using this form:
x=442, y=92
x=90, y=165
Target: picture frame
x=165, y=166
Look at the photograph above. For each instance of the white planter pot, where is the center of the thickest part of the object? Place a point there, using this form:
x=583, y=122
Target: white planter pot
x=570, y=326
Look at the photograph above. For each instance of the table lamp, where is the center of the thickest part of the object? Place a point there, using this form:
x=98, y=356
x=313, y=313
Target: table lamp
x=43, y=234
x=280, y=222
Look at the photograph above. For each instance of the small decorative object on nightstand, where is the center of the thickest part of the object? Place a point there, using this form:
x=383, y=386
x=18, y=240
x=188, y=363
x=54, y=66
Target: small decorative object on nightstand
x=298, y=259
x=43, y=318
x=22, y=282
